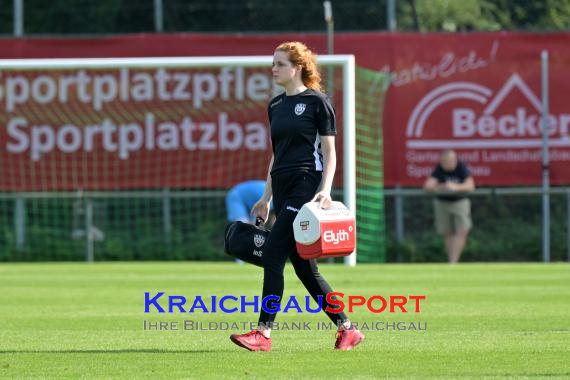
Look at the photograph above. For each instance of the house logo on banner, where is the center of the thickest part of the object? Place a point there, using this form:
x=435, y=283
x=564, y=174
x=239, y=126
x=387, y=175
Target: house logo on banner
x=472, y=128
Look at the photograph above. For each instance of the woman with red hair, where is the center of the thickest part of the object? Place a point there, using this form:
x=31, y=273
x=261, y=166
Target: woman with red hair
x=303, y=129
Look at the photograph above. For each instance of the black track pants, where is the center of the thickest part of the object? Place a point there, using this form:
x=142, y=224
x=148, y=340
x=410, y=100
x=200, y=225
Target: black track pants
x=291, y=191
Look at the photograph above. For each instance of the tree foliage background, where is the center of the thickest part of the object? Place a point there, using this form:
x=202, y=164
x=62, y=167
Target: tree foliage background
x=77, y=17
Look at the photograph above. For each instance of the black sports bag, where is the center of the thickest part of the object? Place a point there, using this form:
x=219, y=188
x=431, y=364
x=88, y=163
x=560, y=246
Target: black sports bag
x=245, y=241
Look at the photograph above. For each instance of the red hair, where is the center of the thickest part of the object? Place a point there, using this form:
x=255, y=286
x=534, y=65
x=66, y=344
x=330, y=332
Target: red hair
x=300, y=55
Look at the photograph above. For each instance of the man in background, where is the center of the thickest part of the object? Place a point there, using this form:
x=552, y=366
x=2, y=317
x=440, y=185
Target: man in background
x=450, y=182
x=240, y=200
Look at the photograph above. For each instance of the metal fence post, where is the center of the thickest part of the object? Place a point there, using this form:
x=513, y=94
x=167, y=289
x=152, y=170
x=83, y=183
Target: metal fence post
x=391, y=14
x=18, y=18
x=20, y=222
x=399, y=214
x=329, y=19
x=158, y=16
x=89, y=238
x=545, y=163
x=568, y=224
x=166, y=214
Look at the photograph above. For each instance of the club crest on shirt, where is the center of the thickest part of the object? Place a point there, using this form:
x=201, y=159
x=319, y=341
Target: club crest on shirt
x=258, y=240
x=300, y=108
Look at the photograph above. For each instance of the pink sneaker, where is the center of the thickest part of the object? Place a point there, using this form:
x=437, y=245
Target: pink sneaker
x=348, y=339
x=253, y=341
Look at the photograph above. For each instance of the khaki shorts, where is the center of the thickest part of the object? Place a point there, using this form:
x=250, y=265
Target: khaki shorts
x=452, y=216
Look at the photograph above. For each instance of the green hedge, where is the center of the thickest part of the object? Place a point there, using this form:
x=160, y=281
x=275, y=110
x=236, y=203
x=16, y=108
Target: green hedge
x=133, y=230
x=506, y=228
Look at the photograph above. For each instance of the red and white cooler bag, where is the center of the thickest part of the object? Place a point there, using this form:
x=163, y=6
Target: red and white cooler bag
x=327, y=232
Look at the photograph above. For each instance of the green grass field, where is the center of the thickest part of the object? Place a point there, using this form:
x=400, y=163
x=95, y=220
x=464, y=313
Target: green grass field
x=77, y=320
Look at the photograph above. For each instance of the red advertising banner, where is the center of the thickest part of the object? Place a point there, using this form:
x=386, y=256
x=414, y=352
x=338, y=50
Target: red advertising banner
x=478, y=93
x=131, y=128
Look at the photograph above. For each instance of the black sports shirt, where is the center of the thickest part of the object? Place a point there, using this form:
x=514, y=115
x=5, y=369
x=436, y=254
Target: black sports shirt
x=457, y=175
x=297, y=122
